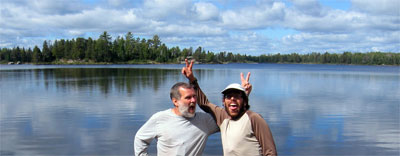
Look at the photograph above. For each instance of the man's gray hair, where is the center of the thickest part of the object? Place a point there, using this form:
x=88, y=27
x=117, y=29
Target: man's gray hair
x=175, y=89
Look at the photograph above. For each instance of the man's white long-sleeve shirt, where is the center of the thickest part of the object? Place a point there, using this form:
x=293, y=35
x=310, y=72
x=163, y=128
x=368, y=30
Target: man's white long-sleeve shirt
x=176, y=135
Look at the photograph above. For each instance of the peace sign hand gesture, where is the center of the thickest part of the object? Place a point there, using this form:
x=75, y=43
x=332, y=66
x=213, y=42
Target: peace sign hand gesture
x=187, y=70
x=245, y=83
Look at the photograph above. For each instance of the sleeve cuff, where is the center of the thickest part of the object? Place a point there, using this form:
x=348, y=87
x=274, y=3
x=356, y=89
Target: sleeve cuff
x=193, y=82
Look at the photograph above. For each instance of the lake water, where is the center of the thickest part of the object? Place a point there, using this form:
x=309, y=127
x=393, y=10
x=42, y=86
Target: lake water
x=97, y=109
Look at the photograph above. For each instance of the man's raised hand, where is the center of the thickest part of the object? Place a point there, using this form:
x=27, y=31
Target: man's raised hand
x=187, y=70
x=245, y=83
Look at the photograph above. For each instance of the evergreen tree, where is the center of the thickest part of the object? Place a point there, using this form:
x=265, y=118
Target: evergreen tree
x=46, y=53
x=58, y=49
x=155, y=42
x=197, y=53
x=68, y=49
x=29, y=55
x=175, y=53
x=78, y=49
x=54, y=50
x=37, y=55
x=5, y=54
x=103, y=48
x=120, y=49
x=90, y=53
x=15, y=54
x=164, y=54
x=143, y=48
x=210, y=57
x=185, y=53
x=23, y=55
x=346, y=58
x=130, y=53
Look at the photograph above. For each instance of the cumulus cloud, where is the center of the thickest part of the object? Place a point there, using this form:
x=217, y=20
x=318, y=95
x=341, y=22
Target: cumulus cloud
x=254, y=16
x=189, y=30
x=49, y=6
x=166, y=10
x=206, y=11
x=382, y=7
x=311, y=7
x=100, y=19
x=215, y=25
x=357, y=29
x=358, y=42
x=337, y=21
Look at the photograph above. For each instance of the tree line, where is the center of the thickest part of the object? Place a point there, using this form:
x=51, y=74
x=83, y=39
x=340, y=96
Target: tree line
x=127, y=49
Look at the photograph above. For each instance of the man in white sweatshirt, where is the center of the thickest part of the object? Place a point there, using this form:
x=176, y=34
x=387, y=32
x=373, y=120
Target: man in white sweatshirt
x=179, y=130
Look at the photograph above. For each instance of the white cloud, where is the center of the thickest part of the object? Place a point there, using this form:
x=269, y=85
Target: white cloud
x=334, y=21
x=76, y=33
x=189, y=30
x=55, y=6
x=165, y=9
x=310, y=7
x=215, y=25
x=358, y=42
x=16, y=18
x=254, y=17
x=90, y=21
x=247, y=43
x=206, y=11
x=381, y=7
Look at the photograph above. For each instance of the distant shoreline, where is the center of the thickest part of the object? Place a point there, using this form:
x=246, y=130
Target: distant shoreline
x=128, y=50
x=176, y=63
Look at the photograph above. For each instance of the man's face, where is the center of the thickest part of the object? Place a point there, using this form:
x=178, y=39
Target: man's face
x=233, y=102
x=187, y=103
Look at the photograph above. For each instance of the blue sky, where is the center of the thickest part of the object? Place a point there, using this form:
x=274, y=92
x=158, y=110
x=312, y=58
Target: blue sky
x=239, y=26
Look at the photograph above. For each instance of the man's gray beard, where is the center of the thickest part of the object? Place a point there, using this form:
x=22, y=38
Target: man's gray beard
x=183, y=109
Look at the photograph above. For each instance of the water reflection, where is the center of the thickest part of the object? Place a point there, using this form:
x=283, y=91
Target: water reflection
x=332, y=113
x=123, y=80
x=312, y=110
